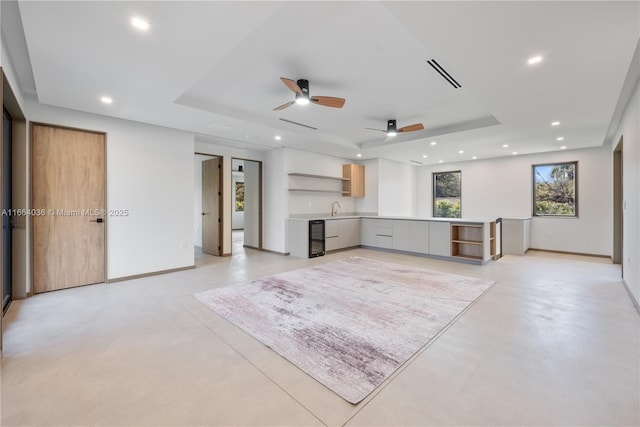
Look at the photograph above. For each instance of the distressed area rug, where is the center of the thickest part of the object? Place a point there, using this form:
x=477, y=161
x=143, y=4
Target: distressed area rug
x=350, y=323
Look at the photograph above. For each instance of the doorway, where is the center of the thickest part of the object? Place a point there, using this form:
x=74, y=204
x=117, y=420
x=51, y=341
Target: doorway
x=208, y=204
x=68, y=202
x=618, y=206
x=246, y=223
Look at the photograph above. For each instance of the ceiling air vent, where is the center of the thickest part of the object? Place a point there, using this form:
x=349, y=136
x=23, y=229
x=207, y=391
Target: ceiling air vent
x=416, y=162
x=299, y=124
x=444, y=73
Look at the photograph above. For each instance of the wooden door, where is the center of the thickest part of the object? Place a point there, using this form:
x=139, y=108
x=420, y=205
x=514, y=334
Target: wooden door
x=211, y=197
x=69, y=207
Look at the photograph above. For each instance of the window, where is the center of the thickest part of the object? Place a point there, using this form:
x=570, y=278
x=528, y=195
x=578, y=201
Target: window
x=555, y=189
x=239, y=196
x=446, y=194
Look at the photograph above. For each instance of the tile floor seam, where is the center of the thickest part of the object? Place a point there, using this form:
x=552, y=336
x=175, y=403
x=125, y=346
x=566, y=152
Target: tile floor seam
x=251, y=363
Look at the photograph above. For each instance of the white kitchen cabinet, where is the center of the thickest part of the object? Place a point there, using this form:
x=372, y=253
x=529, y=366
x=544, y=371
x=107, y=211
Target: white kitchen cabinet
x=411, y=236
x=299, y=238
x=368, y=232
x=348, y=232
x=341, y=233
x=384, y=233
x=401, y=235
x=419, y=237
x=331, y=235
x=440, y=238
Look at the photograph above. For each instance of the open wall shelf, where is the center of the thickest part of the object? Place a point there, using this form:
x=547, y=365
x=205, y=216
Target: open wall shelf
x=306, y=175
x=470, y=241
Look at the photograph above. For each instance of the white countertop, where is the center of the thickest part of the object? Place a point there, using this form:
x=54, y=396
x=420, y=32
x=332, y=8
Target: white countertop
x=307, y=217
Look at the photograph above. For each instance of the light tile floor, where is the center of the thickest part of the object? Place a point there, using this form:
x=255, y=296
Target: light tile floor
x=556, y=341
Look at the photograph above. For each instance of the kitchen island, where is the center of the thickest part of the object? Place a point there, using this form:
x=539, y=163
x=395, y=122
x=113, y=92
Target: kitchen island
x=463, y=240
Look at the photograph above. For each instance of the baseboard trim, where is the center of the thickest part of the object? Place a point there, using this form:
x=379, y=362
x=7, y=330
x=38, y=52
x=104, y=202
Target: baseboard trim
x=633, y=298
x=569, y=253
x=154, y=273
x=275, y=252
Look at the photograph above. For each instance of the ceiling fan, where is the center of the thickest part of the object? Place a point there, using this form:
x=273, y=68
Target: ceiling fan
x=392, y=130
x=301, y=89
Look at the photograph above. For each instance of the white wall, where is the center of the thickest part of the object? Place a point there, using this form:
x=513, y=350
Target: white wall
x=503, y=188
x=251, y=204
x=298, y=161
x=629, y=130
x=396, y=188
x=150, y=173
x=9, y=72
x=275, y=201
x=369, y=203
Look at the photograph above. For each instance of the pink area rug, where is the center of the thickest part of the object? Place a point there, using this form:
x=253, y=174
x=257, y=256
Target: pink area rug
x=350, y=323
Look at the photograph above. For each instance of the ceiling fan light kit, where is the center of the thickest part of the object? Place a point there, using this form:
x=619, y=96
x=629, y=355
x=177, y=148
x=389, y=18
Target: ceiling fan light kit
x=391, y=128
x=301, y=89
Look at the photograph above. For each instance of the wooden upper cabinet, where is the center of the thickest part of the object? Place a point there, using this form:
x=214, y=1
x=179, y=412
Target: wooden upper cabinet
x=355, y=184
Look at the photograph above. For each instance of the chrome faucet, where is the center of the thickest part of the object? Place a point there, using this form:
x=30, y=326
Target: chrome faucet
x=334, y=209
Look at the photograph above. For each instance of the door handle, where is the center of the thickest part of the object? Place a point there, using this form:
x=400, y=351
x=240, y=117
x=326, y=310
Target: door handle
x=97, y=220
x=205, y=213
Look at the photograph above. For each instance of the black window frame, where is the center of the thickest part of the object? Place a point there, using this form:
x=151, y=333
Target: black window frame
x=433, y=190
x=534, y=212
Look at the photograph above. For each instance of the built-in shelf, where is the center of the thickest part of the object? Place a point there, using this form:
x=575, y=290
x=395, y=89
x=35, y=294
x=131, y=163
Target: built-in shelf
x=306, y=175
x=335, y=184
x=468, y=241
x=318, y=191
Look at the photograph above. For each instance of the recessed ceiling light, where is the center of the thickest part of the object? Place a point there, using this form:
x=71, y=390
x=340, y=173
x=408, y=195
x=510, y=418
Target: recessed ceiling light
x=277, y=137
x=106, y=100
x=555, y=123
x=359, y=155
x=440, y=161
x=139, y=23
x=564, y=147
x=460, y=151
x=514, y=153
x=560, y=138
x=535, y=60
x=433, y=143
x=505, y=145
x=424, y=156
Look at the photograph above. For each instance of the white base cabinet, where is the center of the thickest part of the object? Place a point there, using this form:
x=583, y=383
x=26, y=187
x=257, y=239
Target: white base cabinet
x=411, y=236
x=341, y=233
x=440, y=238
x=453, y=239
x=418, y=236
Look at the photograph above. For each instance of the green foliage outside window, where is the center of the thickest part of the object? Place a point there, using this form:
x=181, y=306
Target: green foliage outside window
x=239, y=196
x=554, y=191
x=447, y=190
x=447, y=208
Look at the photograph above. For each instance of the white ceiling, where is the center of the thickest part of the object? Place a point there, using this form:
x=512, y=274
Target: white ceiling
x=214, y=68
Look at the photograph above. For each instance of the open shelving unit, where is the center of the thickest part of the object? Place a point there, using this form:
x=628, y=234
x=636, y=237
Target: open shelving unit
x=471, y=241
x=314, y=189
